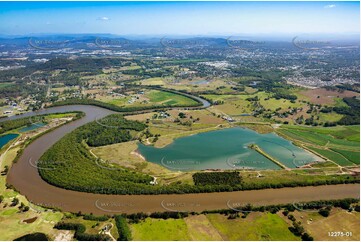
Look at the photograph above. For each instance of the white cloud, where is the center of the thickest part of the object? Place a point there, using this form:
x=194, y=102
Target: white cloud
x=330, y=6
x=103, y=19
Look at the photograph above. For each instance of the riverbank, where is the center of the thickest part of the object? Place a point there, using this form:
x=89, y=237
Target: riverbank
x=27, y=181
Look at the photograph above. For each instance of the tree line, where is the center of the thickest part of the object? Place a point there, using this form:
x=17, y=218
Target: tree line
x=80, y=232
x=217, y=178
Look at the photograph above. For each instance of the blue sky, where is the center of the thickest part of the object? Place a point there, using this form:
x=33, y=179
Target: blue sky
x=182, y=18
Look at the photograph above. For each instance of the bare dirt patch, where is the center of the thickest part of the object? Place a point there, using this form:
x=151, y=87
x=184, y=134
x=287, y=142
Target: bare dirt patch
x=326, y=97
x=339, y=221
x=64, y=235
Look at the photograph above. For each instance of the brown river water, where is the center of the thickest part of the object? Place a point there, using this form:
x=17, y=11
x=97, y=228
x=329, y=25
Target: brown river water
x=26, y=179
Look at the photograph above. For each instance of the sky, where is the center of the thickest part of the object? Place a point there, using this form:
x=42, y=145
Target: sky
x=179, y=18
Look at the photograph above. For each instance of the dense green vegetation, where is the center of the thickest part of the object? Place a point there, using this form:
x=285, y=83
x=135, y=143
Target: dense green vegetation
x=284, y=95
x=68, y=156
x=136, y=217
x=352, y=113
x=18, y=123
x=33, y=237
x=123, y=228
x=216, y=178
x=95, y=218
x=110, y=130
x=22, y=122
x=20, y=89
x=80, y=65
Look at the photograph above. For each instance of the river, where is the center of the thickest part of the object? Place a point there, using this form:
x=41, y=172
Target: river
x=26, y=179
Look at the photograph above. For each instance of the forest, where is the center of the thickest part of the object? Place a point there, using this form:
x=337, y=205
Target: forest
x=109, y=130
x=215, y=178
x=70, y=155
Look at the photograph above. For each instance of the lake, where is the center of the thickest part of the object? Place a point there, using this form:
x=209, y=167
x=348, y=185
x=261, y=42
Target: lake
x=32, y=127
x=227, y=149
x=6, y=138
x=26, y=179
x=200, y=82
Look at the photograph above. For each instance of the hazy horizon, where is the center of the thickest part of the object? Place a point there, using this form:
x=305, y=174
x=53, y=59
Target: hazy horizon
x=179, y=18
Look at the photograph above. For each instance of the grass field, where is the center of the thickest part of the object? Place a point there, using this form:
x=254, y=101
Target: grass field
x=199, y=228
x=6, y=84
x=339, y=159
x=350, y=155
x=153, y=81
x=122, y=154
x=339, y=220
x=330, y=117
x=338, y=132
x=150, y=98
x=168, y=98
x=257, y=226
x=251, y=178
x=340, y=144
x=273, y=103
x=12, y=227
x=159, y=229
x=321, y=139
x=233, y=104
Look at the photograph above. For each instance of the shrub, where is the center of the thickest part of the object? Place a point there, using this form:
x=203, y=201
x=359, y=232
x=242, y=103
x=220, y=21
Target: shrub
x=123, y=228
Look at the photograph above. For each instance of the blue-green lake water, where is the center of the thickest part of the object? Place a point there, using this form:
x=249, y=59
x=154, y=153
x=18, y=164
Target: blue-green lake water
x=6, y=138
x=200, y=82
x=32, y=127
x=227, y=149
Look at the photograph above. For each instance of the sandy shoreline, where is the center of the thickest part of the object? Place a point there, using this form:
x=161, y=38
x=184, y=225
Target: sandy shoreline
x=136, y=153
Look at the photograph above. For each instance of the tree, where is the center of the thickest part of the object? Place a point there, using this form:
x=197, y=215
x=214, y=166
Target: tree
x=182, y=115
x=123, y=228
x=306, y=237
x=325, y=212
x=345, y=204
x=297, y=228
x=14, y=202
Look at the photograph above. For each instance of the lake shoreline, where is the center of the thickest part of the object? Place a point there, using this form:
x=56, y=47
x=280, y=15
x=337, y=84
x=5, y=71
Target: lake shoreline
x=228, y=149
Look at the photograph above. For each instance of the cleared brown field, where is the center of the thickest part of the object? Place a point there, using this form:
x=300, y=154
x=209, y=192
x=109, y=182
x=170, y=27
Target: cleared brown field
x=339, y=220
x=140, y=117
x=199, y=228
x=326, y=97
